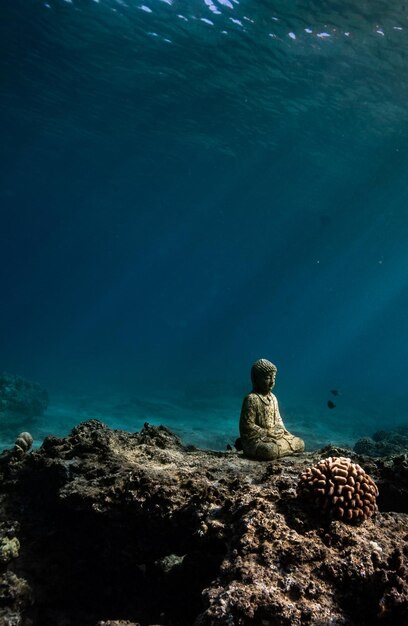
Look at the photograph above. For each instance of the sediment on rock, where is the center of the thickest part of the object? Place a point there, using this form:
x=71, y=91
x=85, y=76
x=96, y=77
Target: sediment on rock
x=115, y=527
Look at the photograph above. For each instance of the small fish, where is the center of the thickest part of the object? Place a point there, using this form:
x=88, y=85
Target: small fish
x=335, y=392
x=331, y=404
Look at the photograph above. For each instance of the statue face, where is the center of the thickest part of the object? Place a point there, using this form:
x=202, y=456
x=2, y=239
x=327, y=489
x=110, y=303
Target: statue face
x=264, y=382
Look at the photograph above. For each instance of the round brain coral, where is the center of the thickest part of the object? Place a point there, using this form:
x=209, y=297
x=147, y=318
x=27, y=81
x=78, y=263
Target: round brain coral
x=341, y=488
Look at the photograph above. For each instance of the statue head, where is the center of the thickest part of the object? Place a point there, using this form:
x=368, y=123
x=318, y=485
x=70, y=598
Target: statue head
x=263, y=374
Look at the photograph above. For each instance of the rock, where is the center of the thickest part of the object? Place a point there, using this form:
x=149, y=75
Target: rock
x=15, y=599
x=116, y=622
x=9, y=549
x=384, y=443
x=391, y=475
x=123, y=528
x=380, y=435
x=20, y=399
x=366, y=445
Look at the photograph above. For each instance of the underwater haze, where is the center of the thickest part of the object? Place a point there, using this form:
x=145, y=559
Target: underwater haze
x=190, y=185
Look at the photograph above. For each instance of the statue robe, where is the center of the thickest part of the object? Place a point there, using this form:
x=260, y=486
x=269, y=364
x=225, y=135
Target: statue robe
x=263, y=434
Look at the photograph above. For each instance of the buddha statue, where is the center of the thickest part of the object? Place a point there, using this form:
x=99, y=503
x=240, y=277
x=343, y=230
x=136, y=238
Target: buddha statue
x=263, y=434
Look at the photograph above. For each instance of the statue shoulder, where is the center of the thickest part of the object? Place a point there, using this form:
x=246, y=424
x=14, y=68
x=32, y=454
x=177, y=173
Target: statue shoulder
x=251, y=399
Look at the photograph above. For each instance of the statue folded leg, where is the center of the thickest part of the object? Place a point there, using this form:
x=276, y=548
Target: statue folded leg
x=271, y=448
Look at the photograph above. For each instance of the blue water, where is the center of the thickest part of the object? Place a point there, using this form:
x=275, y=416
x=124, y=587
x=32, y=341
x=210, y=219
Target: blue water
x=187, y=186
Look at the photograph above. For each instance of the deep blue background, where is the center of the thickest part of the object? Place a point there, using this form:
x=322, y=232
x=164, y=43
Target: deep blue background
x=173, y=210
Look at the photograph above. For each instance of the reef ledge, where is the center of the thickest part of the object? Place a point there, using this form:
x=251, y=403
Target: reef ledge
x=110, y=528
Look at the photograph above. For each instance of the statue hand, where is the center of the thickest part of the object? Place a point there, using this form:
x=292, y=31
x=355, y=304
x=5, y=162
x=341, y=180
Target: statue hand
x=278, y=431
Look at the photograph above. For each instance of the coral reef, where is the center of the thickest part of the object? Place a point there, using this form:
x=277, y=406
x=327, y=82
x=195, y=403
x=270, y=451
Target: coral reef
x=391, y=476
x=384, y=443
x=20, y=399
x=9, y=549
x=120, y=529
x=341, y=488
x=23, y=443
x=367, y=446
x=15, y=593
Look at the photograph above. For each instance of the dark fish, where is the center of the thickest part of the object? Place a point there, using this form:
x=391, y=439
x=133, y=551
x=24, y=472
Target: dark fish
x=335, y=392
x=331, y=404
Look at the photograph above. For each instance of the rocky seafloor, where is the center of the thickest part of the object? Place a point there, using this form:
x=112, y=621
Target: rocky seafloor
x=110, y=528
